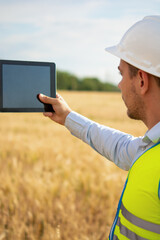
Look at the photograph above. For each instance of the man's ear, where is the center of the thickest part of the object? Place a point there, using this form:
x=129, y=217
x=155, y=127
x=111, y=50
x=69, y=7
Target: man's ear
x=143, y=78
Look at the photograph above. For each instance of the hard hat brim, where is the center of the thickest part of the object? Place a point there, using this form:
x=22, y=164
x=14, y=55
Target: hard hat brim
x=114, y=50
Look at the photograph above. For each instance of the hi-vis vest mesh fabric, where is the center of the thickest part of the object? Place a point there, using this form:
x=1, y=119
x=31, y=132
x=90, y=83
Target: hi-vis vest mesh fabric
x=138, y=213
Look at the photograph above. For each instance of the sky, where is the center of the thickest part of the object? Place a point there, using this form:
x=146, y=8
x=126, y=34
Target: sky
x=71, y=33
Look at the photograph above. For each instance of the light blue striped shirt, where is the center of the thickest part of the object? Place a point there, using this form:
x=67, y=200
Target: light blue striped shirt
x=121, y=148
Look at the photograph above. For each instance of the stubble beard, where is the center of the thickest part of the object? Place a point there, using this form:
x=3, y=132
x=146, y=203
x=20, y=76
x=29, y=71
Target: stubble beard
x=136, y=109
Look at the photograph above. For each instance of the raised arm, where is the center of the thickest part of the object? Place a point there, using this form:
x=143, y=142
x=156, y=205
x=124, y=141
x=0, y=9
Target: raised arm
x=116, y=146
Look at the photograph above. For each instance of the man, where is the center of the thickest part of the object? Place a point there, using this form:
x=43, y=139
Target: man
x=138, y=212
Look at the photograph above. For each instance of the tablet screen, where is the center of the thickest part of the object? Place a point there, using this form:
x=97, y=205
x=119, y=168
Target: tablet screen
x=22, y=81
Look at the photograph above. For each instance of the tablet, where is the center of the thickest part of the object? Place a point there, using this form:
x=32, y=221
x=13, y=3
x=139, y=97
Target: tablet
x=21, y=81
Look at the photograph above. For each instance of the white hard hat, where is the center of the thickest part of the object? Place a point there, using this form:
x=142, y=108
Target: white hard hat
x=140, y=45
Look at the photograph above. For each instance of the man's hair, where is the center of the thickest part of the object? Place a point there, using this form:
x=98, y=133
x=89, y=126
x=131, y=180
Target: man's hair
x=133, y=72
x=157, y=80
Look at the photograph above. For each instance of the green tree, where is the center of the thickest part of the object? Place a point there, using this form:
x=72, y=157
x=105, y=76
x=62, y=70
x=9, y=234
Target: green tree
x=90, y=84
x=67, y=81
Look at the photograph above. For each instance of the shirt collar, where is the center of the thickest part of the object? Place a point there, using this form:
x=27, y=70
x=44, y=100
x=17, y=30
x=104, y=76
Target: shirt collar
x=152, y=135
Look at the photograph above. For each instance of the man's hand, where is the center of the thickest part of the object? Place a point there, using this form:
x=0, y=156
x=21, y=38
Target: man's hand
x=60, y=107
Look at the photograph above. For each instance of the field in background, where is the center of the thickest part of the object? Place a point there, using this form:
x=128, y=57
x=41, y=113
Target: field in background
x=52, y=185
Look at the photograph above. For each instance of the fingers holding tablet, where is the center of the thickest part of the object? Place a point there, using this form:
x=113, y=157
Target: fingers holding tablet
x=47, y=106
x=61, y=108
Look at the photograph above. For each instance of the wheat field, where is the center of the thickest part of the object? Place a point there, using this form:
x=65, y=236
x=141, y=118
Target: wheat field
x=52, y=185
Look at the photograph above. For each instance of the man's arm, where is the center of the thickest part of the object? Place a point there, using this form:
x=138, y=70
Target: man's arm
x=116, y=146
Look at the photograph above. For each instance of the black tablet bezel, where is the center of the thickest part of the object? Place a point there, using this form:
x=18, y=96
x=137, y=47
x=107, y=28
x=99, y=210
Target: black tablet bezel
x=28, y=63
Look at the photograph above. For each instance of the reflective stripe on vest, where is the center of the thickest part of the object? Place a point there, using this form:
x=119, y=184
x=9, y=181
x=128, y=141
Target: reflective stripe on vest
x=138, y=214
x=140, y=222
x=128, y=233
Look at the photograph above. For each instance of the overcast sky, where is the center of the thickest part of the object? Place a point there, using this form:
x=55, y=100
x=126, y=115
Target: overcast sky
x=71, y=33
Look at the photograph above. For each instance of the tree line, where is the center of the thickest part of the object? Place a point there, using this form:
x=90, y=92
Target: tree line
x=68, y=81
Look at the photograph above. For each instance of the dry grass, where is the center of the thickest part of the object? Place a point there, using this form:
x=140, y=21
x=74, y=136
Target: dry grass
x=53, y=186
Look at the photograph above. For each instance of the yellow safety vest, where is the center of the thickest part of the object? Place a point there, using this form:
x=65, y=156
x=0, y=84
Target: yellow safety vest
x=138, y=213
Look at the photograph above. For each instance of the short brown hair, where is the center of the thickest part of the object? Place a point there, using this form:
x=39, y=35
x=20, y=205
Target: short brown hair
x=157, y=79
x=133, y=72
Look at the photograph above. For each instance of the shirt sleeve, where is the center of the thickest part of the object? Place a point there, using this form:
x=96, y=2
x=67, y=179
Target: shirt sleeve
x=115, y=145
